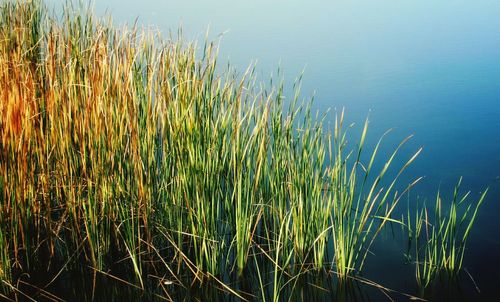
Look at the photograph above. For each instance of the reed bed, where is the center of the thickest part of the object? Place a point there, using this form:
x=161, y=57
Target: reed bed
x=130, y=155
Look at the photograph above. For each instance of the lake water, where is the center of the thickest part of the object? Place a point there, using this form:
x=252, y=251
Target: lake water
x=428, y=68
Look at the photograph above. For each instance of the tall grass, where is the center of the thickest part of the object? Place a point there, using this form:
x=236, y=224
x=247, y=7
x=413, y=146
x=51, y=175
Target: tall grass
x=133, y=155
x=439, y=243
x=361, y=205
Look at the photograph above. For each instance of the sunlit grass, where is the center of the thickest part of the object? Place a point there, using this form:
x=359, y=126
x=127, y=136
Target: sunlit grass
x=361, y=205
x=120, y=148
x=439, y=242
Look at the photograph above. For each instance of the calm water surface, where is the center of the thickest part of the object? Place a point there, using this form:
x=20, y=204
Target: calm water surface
x=428, y=68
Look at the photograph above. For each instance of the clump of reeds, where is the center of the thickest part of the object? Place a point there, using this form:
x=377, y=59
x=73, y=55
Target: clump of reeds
x=439, y=243
x=119, y=148
x=361, y=205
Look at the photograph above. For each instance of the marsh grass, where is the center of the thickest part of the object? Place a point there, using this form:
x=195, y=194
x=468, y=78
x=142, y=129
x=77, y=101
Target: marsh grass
x=361, y=205
x=439, y=243
x=132, y=156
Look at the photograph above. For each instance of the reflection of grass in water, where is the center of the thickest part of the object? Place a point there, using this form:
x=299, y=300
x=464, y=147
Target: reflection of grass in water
x=446, y=287
x=440, y=243
x=130, y=155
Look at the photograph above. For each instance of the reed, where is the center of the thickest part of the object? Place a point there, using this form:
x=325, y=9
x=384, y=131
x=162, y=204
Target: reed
x=439, y=243
x=361, y=205
x=131, y=154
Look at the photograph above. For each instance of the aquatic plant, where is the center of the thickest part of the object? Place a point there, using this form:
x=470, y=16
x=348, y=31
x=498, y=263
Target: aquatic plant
x=361, y=206
x=439, y=243
x=130, y=156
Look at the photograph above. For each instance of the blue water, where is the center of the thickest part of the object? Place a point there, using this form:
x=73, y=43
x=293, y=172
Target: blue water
x=428, y=68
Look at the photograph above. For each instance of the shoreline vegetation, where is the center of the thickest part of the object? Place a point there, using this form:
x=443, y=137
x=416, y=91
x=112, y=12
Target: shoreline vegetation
x=128, y=157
